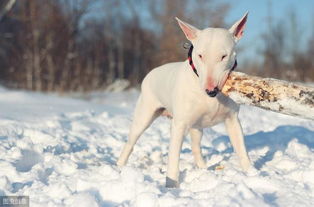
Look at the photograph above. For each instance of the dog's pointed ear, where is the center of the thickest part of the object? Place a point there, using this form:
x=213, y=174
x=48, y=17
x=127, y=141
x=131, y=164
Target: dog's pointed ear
x=237, y=28
x=189, y=30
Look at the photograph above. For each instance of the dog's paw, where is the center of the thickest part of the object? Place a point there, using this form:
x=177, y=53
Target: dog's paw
x=245, y=164
x=170, y=183
x=252, y=171
x=201, y=164
x=119, y=163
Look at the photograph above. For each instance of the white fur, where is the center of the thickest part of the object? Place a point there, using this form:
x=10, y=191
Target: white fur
x=176, y=89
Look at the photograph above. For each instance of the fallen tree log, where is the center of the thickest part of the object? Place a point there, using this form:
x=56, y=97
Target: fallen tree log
x=271, y=94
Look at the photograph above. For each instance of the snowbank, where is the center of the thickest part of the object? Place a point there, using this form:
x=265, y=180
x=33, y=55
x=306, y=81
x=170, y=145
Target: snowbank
x=61, y=152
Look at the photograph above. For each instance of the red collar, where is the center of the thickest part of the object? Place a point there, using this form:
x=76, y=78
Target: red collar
x=191, y=61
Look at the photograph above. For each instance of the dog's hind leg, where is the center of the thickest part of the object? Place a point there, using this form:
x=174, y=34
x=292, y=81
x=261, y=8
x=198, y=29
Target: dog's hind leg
x=145, y=113
x=196, y=136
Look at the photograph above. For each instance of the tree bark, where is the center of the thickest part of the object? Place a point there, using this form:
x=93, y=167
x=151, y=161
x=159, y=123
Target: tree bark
x=271, y=94
x=120, y=60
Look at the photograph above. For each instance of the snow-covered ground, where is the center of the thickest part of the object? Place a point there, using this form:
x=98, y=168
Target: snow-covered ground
x=61, y=152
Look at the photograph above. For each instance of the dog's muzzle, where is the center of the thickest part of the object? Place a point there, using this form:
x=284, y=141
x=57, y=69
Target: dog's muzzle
x=212, y=93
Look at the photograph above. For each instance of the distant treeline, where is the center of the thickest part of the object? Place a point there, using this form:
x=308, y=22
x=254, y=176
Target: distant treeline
x=80, y=45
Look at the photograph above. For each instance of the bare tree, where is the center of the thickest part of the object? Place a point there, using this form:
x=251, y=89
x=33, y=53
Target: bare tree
x=309, y=56
x=70, y=48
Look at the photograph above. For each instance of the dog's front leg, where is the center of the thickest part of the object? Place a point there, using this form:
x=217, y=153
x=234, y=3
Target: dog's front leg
x=236, y=137
x=178, y=130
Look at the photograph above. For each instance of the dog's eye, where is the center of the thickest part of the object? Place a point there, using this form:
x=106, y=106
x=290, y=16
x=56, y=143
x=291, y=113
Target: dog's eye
x=223, y=57
x=200, y=56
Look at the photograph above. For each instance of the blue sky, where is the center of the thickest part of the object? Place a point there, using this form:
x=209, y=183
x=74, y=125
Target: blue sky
x=257, y=21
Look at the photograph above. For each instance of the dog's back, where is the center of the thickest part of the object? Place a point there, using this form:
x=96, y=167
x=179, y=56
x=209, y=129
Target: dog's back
x=161, y=82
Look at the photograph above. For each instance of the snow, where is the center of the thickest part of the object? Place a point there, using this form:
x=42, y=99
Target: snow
x=61, y=151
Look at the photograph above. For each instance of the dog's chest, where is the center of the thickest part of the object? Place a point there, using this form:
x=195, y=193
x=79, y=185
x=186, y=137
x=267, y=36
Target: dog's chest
x=212, y=113
x=210, y=118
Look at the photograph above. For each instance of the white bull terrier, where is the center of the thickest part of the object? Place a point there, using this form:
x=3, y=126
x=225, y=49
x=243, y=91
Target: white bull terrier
x=189, y=92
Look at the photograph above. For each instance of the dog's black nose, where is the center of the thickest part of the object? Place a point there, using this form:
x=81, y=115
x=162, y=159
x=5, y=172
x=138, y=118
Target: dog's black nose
x=212, y=93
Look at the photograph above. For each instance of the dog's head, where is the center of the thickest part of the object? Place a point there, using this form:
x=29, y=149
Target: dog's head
x=214, y=52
